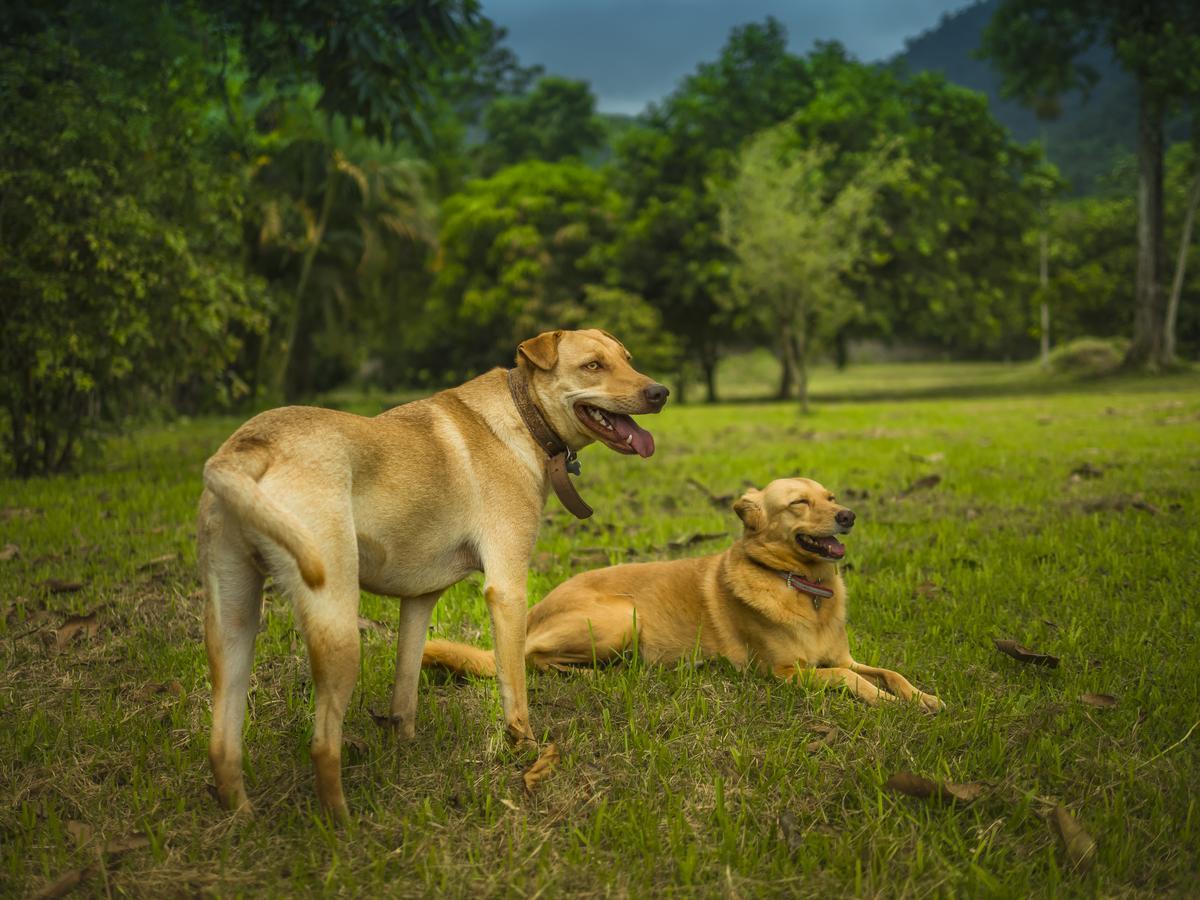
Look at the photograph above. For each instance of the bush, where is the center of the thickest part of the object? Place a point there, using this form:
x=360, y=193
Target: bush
x=1089, y=357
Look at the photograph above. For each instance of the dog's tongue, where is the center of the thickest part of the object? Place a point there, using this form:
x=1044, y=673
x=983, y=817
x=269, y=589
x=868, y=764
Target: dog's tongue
x=832, y=547
x=624, y=426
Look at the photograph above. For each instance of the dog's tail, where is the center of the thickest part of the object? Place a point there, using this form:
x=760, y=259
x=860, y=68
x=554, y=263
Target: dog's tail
x=227, y=477
x=462, y=659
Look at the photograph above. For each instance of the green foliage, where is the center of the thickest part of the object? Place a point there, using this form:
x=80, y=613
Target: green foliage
x=554, y=121
x=797, y=236
x=1089, y=357
x=120, y=244
x=521, y=252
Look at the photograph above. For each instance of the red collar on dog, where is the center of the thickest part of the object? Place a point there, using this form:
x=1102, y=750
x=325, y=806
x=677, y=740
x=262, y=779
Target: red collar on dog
x=816, y=591
x=561, y=458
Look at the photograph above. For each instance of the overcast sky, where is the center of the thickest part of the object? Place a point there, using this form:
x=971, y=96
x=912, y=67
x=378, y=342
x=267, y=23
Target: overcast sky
x=635, y=51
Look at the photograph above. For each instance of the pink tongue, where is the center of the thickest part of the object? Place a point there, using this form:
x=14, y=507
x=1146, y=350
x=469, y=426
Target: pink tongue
x=624, y=426
x=832, y=547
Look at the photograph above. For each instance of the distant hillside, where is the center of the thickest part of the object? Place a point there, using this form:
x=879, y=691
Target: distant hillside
x=1083, y=142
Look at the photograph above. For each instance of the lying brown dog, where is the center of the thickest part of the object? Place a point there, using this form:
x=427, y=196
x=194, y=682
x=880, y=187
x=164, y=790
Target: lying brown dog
x=405, y=505
x=774, y=601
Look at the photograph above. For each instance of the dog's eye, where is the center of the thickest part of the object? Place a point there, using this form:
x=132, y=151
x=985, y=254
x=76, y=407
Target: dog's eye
x=801, y=503
x=593, y=366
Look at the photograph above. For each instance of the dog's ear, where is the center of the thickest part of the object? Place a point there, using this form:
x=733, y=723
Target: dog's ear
x=750, y=511
x=541, y=351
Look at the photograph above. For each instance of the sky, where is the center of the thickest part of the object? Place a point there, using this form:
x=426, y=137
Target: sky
x=636, y=51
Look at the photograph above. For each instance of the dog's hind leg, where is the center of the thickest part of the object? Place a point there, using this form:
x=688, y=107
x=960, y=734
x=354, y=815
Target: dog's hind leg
x=414, y=625
x=233, y=591
x=574, y=631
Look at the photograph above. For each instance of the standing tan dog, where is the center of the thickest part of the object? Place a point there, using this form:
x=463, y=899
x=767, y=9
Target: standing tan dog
x=774, y=601
x=404, y=505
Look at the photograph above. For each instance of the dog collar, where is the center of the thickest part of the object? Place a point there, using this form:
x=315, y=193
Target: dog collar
x=561, y=459
x=816, y=591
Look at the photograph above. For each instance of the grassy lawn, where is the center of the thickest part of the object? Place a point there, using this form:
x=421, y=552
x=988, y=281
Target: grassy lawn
x=679, y=781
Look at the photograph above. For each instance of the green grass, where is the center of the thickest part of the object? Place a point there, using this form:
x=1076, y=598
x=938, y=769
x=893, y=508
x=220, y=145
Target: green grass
x=678, y=781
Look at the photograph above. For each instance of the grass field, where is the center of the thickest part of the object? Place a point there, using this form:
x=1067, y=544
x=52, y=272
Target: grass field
x=1067, y=520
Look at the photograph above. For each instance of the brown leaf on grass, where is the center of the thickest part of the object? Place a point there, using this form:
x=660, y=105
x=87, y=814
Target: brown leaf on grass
x=10, y=551
x=365, y=625
x=590, y=556
x=542, y=767
x=156, y=688
x=1145, y=506
x=1078, y=844
x=1086, y=472
x=159, y=561
x=1024, y=654
x=123, y=845
x=699, y=538
x=1100, y=701
x=80, y=832
x=60, y=586
x=721, y=500
x=927, y=789
x=87, y=624
x=828, y=734
x=926, y=589
x=922, y=484
x=790, y=831
x=64, y=884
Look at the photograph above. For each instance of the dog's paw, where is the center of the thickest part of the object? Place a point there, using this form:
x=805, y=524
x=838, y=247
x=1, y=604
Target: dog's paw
x=930, y=703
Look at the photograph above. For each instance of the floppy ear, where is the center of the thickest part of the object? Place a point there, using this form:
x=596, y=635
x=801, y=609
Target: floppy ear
x=750, y=511
x=542, y=350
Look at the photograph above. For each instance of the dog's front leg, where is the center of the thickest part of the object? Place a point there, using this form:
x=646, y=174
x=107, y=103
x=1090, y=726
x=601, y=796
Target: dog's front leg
x=899, y=685
x=506, y=606
x=414, y=624
x=857, y=685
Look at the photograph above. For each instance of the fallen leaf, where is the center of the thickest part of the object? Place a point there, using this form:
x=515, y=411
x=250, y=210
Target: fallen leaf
x=1024, y=654
x=10, y=551
x=828, y=734
x=790, y=831
x=1086, y=472
x=59, y=586
x=509, y=804
x=590, y=556
x=154, y=688
x=1080, y=848
x=1100, y=701
x=123, y=845
x=64, y=884
x=926, y=589
x=357, y=744
x=365, y=625
x=721, y=500
x=88, y=624
x=699, y=538
x=926, y=788
x=542, y=767
x=80, y=832
x=922, y=484
x=1145, y=506
x=159, y=560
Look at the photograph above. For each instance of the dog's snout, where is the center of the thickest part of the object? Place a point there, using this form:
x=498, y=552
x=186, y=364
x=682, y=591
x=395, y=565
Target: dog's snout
x=845, y=518
x=656, y=394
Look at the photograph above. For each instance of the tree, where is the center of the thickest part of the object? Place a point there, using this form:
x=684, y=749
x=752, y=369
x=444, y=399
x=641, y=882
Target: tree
x=796, y=237
x=554, y=121
x=526, y=250
x=670, y=250
x=121, y=271
x=1038, y=46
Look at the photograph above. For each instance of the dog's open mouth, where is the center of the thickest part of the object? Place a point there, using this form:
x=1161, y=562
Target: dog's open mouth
x=616, y=430
x=827, y=547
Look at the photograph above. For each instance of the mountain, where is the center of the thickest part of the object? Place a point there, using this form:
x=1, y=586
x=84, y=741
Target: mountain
x=1089, y=135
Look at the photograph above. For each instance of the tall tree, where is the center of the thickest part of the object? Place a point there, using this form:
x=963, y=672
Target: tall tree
x=554, y=121
x=796, y=236
x=1038, y=46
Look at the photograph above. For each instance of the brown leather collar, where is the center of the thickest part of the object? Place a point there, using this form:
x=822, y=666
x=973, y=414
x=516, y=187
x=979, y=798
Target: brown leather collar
x=560, y=458
x=816, y=591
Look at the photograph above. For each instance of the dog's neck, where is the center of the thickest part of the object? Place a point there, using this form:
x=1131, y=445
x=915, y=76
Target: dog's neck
x=561, y=459
x=817, y=581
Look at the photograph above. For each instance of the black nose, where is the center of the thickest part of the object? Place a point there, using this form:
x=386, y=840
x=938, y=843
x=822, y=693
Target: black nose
x=656, y=394
x=845, y=518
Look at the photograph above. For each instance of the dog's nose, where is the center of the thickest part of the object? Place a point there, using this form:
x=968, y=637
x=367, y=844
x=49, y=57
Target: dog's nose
x=845, y=518
x=656, y=394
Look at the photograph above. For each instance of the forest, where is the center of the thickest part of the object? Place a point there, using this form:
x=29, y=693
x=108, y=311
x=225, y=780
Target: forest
x=219, y=205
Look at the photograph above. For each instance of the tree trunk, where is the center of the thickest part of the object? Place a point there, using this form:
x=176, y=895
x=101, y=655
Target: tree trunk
x=841, y=348
x=801, y=353
x=1146, y=351
x=1185, y=241
x=708, y=364
x=788, y=353
x=681, y=385
x=1043, y=281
